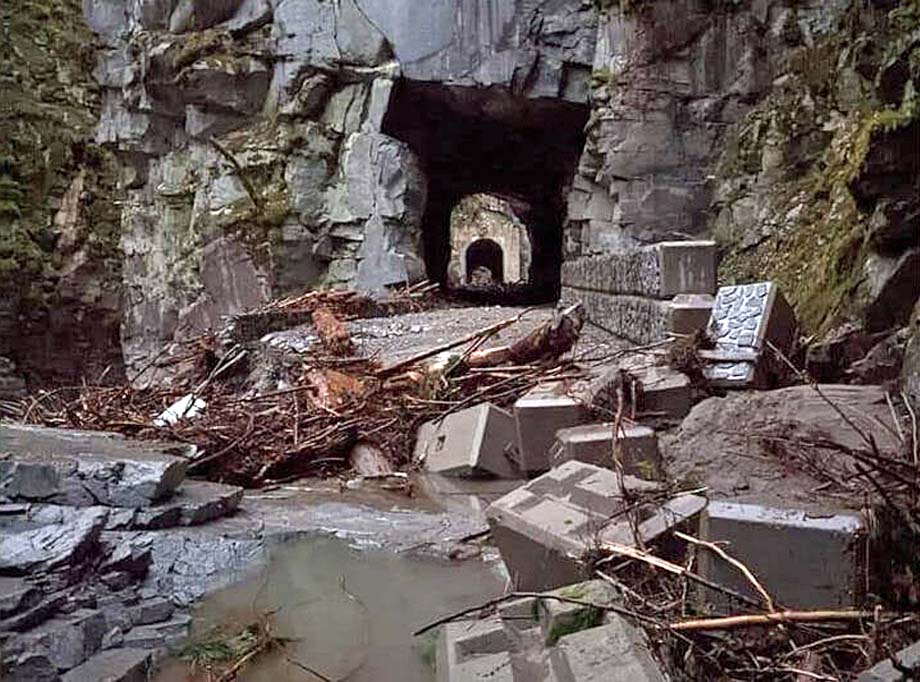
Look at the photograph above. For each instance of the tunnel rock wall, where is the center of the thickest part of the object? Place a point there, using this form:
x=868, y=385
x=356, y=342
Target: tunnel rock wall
x=670, y=78
x=249, y=136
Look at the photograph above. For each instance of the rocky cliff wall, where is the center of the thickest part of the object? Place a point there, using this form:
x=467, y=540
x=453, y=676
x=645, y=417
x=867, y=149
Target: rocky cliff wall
x=250, y=135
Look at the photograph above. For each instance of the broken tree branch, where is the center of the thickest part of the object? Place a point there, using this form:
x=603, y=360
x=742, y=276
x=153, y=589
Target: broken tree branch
x=775, y=618
x=744, y=570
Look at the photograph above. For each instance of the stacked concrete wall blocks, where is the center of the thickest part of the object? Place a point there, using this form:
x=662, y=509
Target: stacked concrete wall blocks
x=543, y=528
x=745, y=320
x=593, y=444
x=549, y=639
x=886, y=672
x=476, y=441
x=539, y=414
x=631, y=293
x=804, y=560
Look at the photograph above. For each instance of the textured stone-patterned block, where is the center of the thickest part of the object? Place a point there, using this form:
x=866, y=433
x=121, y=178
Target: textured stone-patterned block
x=593, y=444
x=641, y=320
x=115, y=665
x=804, y=560
x=747, y=319
x=662, y=270
x=538, y=415
x=544, y=527
x=475, y=441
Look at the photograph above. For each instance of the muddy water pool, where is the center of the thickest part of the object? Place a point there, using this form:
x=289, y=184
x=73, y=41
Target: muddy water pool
x=348, y=613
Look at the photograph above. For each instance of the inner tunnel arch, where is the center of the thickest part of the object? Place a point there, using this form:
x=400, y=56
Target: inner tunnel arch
x=487, y=140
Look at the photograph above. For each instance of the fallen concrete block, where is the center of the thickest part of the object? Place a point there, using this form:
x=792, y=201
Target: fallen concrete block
x=543, y=528
x=52, y=546
x=615, y=652
x=115, y=665
x=464, y=642
x=84, y=468
x=538, y=415
x=657, y=389
x=746, y=320
x=691, y=312
x=593, y=444
x=476, y=441
x=560, y=618
x=884, y=671
x=803, y=560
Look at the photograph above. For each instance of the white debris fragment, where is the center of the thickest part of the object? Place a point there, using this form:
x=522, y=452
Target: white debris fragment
x=186, y=407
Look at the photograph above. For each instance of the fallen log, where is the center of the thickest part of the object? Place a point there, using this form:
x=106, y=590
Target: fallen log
x=548, y=341
x=332, y=332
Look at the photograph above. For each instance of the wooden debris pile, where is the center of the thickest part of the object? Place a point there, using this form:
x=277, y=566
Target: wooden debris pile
x=331, y=402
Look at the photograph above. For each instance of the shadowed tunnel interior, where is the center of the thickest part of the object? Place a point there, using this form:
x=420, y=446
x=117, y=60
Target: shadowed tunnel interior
x=473, y=140
x=485, y=253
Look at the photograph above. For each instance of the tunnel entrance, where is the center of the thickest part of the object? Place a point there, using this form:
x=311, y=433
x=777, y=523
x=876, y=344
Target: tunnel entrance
x=486, y=140
x=484, y=262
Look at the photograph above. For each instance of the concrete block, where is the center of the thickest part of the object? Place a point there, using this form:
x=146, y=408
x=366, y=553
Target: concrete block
x=543, y=528
x=615, y=652
x=884, y=671
x=593, y=444
x=114, y=665
x=747, y=319
x=475, y=441
x=691, y=312
x=660, y=390
x=466, y=650
x=560, y=618
x=639, y=319
x=538, y=415
x=686, y=267
x=803, y=560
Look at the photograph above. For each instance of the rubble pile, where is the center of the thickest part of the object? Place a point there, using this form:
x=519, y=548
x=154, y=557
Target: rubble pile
x=732, y=520
x=258, y=413
x=80, y=515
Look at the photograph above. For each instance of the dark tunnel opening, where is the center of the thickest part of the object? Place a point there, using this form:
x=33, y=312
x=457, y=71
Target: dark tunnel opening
x=487, y=255
x=472, y=140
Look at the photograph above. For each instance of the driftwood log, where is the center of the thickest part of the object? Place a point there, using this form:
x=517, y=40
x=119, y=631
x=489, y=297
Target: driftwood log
x=332, y=332
x=548, y=341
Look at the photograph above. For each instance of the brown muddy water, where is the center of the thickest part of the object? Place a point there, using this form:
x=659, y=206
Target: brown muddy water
x=349, y=614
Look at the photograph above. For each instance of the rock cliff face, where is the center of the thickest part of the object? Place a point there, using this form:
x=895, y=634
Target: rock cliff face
x=251, y=137
x=267, y=146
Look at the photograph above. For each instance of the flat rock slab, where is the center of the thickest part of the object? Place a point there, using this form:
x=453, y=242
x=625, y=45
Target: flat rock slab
x=85, y=468
x=754, y=446
x=543, y=528
x=52, y=546
x=115, y=665
x=194, y=503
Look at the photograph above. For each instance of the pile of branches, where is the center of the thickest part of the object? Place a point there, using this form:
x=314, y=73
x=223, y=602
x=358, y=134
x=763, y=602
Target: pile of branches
x=332, y=401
